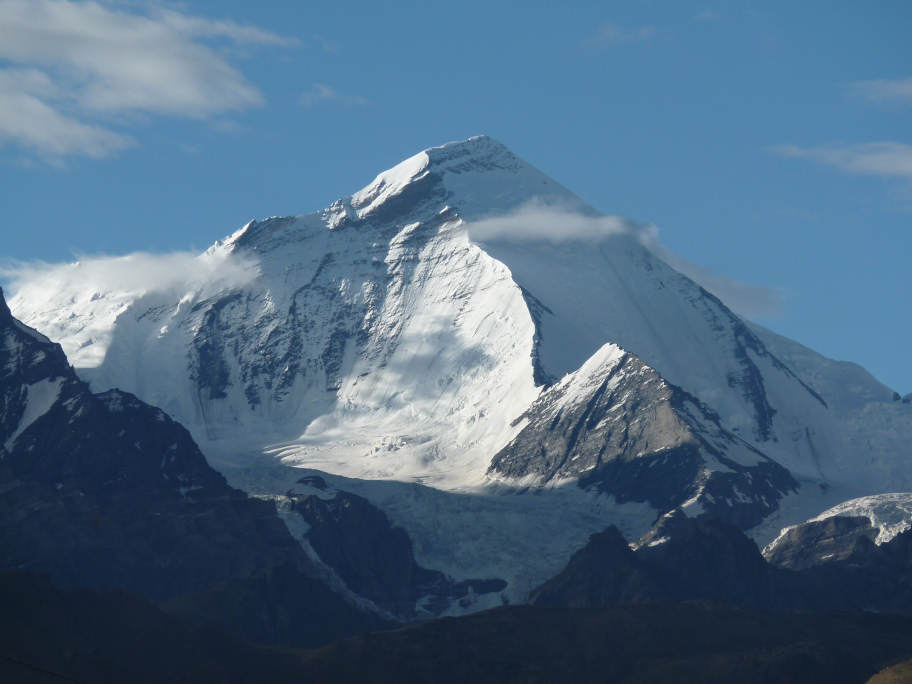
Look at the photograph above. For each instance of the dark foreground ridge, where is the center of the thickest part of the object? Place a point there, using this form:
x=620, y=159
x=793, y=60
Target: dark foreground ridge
x=687, y=642
x=685, y=558
x=53, y=635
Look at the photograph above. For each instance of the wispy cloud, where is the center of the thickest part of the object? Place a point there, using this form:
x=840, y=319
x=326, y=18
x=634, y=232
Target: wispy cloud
x=609, y=35
x=537, y=221
x=78, y=66
x=542, y=222
x=885, y=91
x=28, y=120
x=320, y=92
x=216, y=28
x=140, y=272
x=887, y=159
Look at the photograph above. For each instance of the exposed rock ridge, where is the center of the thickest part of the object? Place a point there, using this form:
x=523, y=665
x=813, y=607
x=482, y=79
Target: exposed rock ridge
x=617, y=426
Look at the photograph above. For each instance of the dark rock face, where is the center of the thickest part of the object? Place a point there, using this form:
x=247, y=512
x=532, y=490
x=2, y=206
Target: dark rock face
x=537, y=310
x=835, y=539
x=211, y=371
x=605, y=572
x=104, y=491
x=872, y=577
x=617, y=426
x=375, y=559
x=119, y=490
x=706, y=558
x=839, y=557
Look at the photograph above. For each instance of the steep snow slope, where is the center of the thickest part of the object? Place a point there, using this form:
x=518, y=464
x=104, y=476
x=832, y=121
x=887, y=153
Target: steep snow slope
x=387, y=338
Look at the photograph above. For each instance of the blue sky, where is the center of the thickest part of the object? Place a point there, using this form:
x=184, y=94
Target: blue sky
x=770, y=142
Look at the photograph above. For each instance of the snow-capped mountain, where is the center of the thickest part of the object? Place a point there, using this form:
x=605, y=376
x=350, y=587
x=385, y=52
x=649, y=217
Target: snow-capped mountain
x=395, y=337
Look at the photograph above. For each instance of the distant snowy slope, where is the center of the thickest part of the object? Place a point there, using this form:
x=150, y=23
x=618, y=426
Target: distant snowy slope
x=844, y=385
x=873, y=426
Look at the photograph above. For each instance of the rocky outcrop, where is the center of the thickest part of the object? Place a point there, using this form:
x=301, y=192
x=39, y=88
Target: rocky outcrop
x=838, y=532
x=616, y=426
x=832, y=540
x=605, y=572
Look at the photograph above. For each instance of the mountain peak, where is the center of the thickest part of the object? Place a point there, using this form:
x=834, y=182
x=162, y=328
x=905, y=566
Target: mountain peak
x=477, y=177
x=480, y=151
x=478, y=154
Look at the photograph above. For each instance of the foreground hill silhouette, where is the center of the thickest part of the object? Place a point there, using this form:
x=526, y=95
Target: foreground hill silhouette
x=52, y=635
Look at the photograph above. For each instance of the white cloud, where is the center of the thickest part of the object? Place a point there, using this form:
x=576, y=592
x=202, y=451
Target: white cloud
x=612, y=34
x=27, y=120
x=213, y=28
x=77, y=64
x=888, y=159
x=885, y=90
x=320, y=92
x=139, y=272
x=537, y=221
